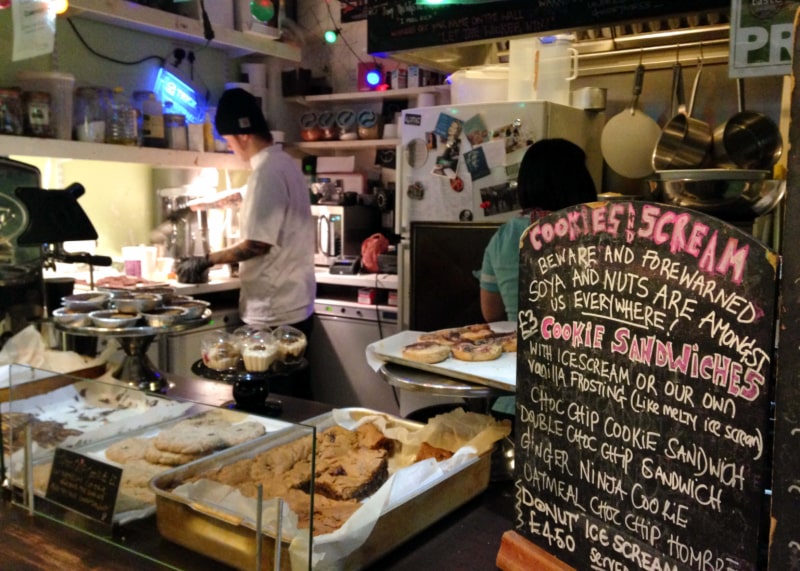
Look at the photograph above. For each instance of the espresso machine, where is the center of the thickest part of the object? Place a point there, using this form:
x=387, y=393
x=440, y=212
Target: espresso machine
x=34, y=224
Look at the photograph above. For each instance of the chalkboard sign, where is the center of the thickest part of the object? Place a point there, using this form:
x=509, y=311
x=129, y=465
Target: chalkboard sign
x=84, y=484
x=644, y=379
x=398, y=25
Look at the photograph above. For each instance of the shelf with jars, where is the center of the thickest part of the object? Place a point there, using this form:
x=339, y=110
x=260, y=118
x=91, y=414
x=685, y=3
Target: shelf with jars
x=166, y=24
x=80, y=150
x=411, y=94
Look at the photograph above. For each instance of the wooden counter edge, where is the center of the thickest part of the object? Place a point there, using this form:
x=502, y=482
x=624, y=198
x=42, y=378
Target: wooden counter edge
x=518, y=554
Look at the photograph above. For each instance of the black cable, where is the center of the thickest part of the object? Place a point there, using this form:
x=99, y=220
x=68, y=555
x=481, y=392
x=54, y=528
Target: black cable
x=109, y=58
x=208, y=30
x=339, y=34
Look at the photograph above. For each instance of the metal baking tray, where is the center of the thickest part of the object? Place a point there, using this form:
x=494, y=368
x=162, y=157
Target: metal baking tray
x=232, y=540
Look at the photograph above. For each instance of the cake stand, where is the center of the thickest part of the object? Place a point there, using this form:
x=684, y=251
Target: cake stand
x=136, y=369
x=251, y=389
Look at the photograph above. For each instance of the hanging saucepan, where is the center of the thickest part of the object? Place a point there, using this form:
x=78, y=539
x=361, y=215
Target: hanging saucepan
x=747, y=140
x=685, y=141
x=629, y=136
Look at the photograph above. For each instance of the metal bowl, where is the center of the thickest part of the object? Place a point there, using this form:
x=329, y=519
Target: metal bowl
x=70, y=317
x=164, y=316
x=86, y=302
x=194, y=307
x=113, y=319
x=137, y=302
x=725, y=193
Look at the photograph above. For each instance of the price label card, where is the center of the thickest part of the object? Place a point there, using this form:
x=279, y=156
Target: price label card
x=84, y=484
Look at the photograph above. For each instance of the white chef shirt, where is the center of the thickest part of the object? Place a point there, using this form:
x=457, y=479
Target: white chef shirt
x=279, y=287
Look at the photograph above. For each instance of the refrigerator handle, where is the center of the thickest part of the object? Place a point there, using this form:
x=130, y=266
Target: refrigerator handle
x=323, y=234
x=404, y=284
x=401, y=224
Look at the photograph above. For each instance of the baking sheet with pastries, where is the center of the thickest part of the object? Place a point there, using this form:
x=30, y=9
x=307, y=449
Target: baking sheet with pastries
x=500, y=373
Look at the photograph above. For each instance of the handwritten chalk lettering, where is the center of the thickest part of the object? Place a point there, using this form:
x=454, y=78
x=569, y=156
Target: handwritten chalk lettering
x=668, y=511
x=680, y=230
x=666, y=268
x=553, y=458
x=583, y=440
x=548, y=372
x=582, y=334
x=546, y=287
x=527, y=324
x=643, y=560
x=636, y=437
x=547, y=403
x=725, y=405
x=642, y=404
x=722, y=331
x=555, y=535
x=611, y=307
x=584, y=415
x=601, y=562
x=646, y=383
x=673, y=302
x=541, y=421
x=563, y=518
x=619, y=255
x=617, y=455
x=544, y=482
x=712, y=426
x=604, y=481
x=613, y=392
x=585, y=256
x=626, y=282
x=583, y=277
x=708, y=495
x=643, y=528
x=680, y=392
x=742, y=438
x=595, y=533
x=679, y=415
x=699, y=559
x=727, y=473
x=541, y=350
x=600, y=368
x=606, y=511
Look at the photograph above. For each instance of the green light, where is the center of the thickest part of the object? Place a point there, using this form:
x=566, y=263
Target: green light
x=330, y=36
x=262, y=10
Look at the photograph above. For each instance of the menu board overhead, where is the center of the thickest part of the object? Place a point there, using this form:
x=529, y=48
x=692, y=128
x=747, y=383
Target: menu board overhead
x=644, y=383
x=397, y=25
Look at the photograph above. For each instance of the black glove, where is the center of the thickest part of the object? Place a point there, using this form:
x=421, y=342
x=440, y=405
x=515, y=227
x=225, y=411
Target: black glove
x=193, y=270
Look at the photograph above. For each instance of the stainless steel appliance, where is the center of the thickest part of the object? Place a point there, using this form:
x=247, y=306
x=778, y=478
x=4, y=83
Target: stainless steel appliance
x=341, y=229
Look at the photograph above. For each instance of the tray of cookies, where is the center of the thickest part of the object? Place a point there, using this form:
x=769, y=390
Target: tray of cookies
x=150, y=451
x=482, y=353
x=376, y=480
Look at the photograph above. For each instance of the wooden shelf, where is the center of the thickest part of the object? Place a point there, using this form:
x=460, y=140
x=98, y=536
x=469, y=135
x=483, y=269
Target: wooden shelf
x=369, y=96
x=356, y=145
x=161, y=23
x=78, y=150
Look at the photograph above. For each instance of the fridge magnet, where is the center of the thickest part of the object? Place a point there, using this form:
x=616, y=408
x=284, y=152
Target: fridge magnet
x=457, y=184
x=475, y=130
x=465, y=215
x=448, y=128
x=476, y=163
x=416, y=153
x=447, y=162
x=512, y=134
x=499, y=198
x=415, y=191
x=430, y=140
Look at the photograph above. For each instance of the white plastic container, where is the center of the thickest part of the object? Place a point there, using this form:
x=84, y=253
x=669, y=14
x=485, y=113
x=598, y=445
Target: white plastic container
x=557, y=67
x=483, y=84
x=60, y=87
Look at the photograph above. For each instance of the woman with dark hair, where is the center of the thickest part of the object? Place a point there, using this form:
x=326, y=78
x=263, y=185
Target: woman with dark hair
x=553, y=175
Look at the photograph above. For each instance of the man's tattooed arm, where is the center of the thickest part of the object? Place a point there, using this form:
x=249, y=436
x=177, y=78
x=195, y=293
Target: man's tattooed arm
x=239, y=252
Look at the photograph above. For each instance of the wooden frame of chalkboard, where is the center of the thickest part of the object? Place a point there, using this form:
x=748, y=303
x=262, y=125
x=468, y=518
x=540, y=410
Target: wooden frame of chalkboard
x=401, y=25
x=644, y=388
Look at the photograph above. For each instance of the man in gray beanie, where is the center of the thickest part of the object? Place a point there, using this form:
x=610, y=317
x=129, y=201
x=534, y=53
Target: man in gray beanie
x=276, y=251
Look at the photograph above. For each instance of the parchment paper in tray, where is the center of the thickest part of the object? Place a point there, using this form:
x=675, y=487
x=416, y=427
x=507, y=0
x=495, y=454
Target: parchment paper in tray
x=472, y=434
x=500, y=373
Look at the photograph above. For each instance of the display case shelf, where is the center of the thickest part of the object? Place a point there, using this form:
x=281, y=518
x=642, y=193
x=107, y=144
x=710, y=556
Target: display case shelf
x=158, y=22
x=79, y=150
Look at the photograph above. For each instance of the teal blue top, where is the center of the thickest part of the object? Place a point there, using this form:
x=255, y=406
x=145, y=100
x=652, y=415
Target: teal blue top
x=500, y=269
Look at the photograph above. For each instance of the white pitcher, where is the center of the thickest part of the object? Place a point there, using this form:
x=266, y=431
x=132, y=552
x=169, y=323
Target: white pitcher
x=542, y=68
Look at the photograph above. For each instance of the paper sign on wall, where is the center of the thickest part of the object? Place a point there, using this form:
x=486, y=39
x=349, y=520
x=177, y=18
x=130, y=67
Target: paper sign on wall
x=34, y=28
x=761, y=37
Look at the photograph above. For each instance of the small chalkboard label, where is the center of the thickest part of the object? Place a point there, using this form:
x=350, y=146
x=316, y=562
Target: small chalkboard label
x=84, y=484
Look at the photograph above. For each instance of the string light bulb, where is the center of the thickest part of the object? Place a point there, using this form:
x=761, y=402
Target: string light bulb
x=60, y=6
x=331, y=36
x=262, y=10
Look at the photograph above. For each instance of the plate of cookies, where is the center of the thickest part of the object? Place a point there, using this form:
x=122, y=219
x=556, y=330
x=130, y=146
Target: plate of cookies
x=481, y=353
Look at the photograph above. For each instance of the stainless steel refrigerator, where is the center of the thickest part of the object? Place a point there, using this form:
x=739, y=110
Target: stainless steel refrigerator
x=458, y=165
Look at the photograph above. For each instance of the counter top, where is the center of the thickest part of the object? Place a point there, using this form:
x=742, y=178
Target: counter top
x=467, y=538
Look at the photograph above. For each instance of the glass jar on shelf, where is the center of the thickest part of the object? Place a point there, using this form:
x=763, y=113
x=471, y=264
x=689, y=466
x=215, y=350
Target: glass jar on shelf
x=91, y=110
x=10, y=111
x=36, y=115
x=121, y=126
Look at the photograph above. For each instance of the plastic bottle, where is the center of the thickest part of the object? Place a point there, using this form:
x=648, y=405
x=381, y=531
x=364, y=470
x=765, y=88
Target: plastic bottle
x=208, y=130
x=152, y=120
x=121, y=125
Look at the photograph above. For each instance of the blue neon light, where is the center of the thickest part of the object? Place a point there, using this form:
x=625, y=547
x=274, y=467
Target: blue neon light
x=185, y=99
x=373, y=77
